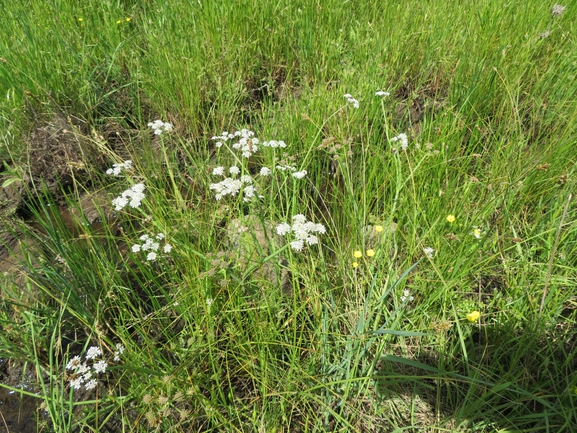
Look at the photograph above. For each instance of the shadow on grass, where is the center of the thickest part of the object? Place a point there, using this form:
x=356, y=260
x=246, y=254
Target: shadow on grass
x=511, y=379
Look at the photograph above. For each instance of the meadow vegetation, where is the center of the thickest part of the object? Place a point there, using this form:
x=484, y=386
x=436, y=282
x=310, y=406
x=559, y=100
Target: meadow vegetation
x=292, y=216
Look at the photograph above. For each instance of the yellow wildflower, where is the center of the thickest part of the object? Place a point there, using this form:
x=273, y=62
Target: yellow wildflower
x=358, y=254
x=379, y=228
x=370, y=253
x=355, y=265
x=473, y=316
x=451, y=218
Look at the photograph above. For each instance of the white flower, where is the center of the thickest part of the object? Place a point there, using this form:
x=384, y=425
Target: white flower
x=352, y=100
x=477, y=232
x=117, y=168
x=406, y=296
x=160, y=236
x=245, y=178
x=403, y=139
x=429, y=252
x=119, y=351
x=135, y=248
x=218, y=171
x=100, y=366
x=299, y=218
x=274, y=144
x=93, y=352
x=557, y=9
x=134, y=193
x=300, y=174
x=73, y=363
x=151, y=256
x=283, y=228
x=158, y=126
x=249, y=192
x=167, y=248
x=302, y=231
x=265, y=171
x=209, y=301
x=312, y=240
x=297, y=245
x=76, y=383
x=91, y=384
x=382, y=93
x=227, y=186
x=83, y=368
x=320, y=229
x=119, y=203
x=234, y=170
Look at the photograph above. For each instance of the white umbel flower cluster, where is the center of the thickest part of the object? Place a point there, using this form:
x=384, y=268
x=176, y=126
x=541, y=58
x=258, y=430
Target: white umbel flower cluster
x=232, y=186
x=402, y=138
x=352, y=100
x=151, y=246
x=296, y=174
x=133, y=196
x=407, y=296
x=83, y=374
x=274, y=144
x=302, y=230
x=158, y=126
x=247, y=143
x=117, y=168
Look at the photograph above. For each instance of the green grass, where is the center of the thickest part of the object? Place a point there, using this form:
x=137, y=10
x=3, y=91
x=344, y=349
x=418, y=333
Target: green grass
x=237, y=331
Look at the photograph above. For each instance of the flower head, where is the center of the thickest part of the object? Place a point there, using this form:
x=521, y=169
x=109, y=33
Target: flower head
x=557, y=9
x=132, y=197
x=358, y=254
x=382, y=93
x=303, y=231
x=352, y=100
x=406, y=296
x=451, y=218
x=93, y=352
x=429, y=252
x=158, y=126
x=117, y=168
x=370, y=253
x=355, y=264
x=74, y=363
x=402, y=138
x=473, y=316
x=378, y=229
x=477, y=232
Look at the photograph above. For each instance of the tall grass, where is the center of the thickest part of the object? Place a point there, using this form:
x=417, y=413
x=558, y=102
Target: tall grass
x=233, y=330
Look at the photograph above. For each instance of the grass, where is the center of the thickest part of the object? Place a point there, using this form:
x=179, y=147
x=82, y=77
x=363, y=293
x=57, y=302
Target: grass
x=233, y=330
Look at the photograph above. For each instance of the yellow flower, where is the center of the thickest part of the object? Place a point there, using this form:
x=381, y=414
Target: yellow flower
x=473, y=316
x=118, y=22
x=355, y=264
x=451, y=218
x=379, y=228
x=370, y=253
x=128, y=19
x=358, y=254
x=80, y=19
